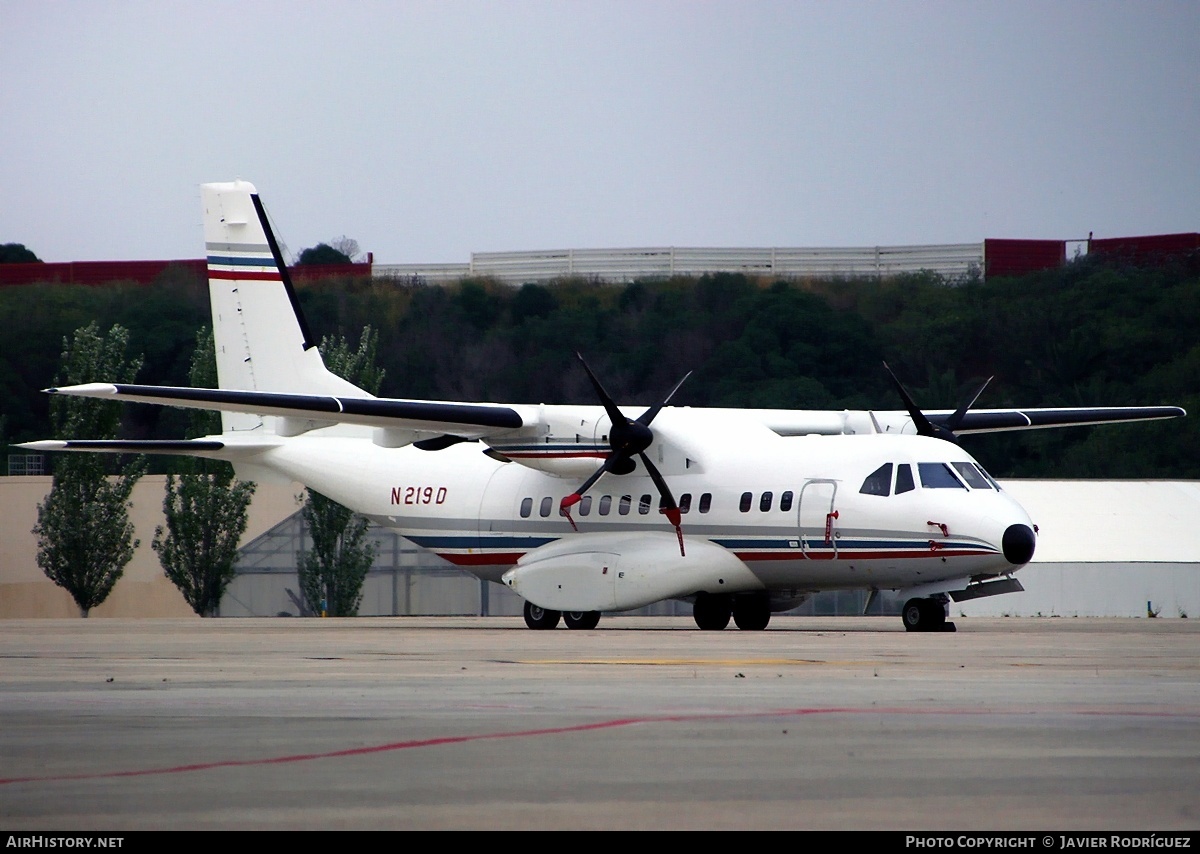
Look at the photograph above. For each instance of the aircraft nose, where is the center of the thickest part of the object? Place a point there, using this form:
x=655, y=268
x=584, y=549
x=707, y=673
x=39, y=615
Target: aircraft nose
x=1018, y=544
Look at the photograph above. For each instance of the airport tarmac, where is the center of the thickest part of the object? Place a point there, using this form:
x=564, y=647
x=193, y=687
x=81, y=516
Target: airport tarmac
x=479, y=723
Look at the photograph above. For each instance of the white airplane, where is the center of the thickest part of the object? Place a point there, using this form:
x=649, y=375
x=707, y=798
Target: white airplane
x=565, y=505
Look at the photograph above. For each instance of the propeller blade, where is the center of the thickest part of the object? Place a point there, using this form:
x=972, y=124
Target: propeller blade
x=954, y=420
x=670, y=509
x=571, y=500
x=649, y=415
x=923, y=424
x=614, y=414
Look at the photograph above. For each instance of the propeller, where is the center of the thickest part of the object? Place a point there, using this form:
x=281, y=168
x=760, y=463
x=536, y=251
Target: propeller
x=924, y=426
x=628, y=439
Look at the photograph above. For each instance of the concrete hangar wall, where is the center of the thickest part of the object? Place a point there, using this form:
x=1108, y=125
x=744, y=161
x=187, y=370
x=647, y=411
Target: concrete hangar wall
x=1105, y=548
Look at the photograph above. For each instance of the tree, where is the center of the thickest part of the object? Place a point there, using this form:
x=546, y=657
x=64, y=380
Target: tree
x=85, y=538
x=322, y=253
x=348, y=246
x=205, y=508
x=16, y=253
x=332, y=572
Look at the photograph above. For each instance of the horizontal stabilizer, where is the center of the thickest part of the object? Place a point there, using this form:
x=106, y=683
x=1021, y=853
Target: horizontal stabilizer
x=127, y=446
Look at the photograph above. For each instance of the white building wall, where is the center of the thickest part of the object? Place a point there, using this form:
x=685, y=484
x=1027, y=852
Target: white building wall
x=1106, y=548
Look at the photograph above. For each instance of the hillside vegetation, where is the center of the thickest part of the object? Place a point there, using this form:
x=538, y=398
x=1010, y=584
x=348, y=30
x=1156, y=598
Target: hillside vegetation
x=1095, y=332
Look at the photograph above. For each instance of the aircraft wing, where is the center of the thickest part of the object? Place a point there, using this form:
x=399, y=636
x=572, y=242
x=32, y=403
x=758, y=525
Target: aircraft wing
x=829, y=422
x=998, y=420
x=461, y=419
x=301, y=412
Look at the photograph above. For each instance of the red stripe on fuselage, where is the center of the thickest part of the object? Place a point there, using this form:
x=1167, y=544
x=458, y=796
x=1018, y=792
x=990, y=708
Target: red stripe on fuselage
x=269, y=276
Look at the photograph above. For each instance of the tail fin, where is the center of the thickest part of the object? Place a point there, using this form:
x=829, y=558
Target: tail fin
x=262, y=340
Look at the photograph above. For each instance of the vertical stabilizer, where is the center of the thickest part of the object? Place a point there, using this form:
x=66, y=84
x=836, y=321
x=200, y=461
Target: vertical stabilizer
x=262, y=340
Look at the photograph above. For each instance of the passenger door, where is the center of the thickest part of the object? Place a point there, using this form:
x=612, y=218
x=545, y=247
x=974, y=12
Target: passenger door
x=818, y=519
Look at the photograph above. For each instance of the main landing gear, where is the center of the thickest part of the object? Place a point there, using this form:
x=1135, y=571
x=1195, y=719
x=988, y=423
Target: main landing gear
x=581, y=619
x=537, y=617
x=926, y=615
x=750, y=612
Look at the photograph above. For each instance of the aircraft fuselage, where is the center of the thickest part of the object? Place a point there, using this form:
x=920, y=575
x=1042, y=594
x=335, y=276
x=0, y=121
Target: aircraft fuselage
x=802, y=513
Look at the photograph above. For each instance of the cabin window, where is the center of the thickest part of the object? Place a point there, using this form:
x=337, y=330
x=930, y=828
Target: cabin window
x=685, y=502
x=938, y=476
x=626, y=503
x=764, y=503
x=526, y=507
x=904, y=478
x=785, y=501
x=747, y=500
x=605, y=504
x=705, y=502
x=878, y=482
x=585, y=505
x=547, y=503
x=971, y=475
x=644, y=504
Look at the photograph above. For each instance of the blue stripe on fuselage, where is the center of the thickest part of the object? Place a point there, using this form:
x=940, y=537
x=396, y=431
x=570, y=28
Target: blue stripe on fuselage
x=242, y=261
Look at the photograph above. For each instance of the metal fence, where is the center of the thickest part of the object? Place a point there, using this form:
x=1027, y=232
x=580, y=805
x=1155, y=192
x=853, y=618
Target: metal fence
x=953, y=260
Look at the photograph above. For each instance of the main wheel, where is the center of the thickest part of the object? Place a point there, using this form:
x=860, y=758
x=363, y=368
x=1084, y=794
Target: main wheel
x=751, y=613
x=710, y=612
x=581, y=619
x=935, y=615
x=913, y=615
x=537, y=617
x=923, y=615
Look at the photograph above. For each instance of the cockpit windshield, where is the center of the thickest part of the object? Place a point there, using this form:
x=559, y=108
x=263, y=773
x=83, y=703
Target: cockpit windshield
x=954, y=475
x=938, y=476
x=972, y=475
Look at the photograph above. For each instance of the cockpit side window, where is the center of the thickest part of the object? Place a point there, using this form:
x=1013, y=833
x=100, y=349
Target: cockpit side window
x=904, y=478
x=878, y=482
x=938, y=476
x=972, y=476
x=990, y=479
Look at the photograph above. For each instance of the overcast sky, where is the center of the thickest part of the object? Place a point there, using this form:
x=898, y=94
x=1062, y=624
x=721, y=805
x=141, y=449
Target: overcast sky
x=428, y=130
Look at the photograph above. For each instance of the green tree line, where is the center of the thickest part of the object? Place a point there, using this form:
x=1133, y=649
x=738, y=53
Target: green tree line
x=1095, y=332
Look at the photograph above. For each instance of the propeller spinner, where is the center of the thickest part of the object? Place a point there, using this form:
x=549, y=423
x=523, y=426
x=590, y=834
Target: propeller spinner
x=628, y=439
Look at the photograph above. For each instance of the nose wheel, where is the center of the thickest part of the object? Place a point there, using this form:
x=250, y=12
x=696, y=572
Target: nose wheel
x=925, y=615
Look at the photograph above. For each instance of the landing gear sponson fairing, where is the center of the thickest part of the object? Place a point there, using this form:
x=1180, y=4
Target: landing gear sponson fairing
x=586, y=509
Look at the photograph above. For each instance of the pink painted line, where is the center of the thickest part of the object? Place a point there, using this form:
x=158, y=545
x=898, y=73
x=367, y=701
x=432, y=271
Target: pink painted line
x=532, y=733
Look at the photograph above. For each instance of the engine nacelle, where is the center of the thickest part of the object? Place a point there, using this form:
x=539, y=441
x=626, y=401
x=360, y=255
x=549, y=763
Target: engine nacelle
x=618, y=572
